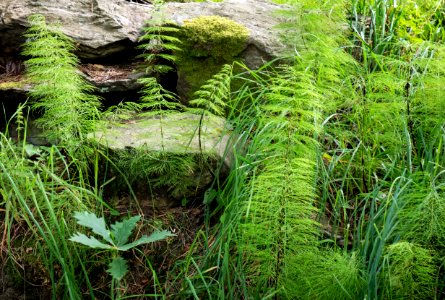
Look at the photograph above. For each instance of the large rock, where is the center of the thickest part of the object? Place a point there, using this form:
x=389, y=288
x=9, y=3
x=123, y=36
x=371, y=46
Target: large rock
x=104, y=27
x=174, y=150
x=174, y=132
x=256, y=15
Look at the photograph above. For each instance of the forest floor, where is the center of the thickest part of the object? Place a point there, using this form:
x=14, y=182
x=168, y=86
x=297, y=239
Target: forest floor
x=22, y=276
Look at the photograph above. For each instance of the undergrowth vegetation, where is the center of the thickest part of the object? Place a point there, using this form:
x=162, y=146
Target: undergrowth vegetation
x=336, y=187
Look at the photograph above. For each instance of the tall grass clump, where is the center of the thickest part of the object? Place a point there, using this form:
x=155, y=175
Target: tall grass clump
x=35, y=197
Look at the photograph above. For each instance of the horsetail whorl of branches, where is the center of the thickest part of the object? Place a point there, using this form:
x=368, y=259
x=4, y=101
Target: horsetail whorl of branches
x=59, y=92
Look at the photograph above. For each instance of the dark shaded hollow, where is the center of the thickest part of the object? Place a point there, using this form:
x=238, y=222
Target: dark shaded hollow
x=9, y=103
x=114, y=98
x=122, y=52
x=169, y=81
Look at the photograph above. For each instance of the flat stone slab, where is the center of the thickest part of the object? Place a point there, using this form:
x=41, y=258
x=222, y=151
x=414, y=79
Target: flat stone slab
x=174, y=132
x=177, y=135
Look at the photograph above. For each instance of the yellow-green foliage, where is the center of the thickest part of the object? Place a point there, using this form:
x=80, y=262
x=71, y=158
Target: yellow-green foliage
x=421, y=20
x=214, y=36
x=409, y=272
x=428, y=103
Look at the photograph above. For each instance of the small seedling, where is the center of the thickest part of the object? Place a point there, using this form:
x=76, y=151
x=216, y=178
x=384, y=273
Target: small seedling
x=114, y=240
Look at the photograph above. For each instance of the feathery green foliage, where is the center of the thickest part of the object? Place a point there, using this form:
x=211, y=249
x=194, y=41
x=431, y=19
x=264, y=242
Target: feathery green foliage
x=59, y=92
x=427, y=99
x=277, y=224
x=156, y=100
x=213, y=96
x=329, y=275
x=409, y=272
x=174, y=172
x=160, y=46
x=422, y=216
x=160, y=43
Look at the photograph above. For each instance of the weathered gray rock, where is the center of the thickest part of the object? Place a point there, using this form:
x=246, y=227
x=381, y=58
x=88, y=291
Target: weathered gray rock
x=106, y=31
x=176, y=136
x=256, y=15
x=105, y=27
x=174, y=132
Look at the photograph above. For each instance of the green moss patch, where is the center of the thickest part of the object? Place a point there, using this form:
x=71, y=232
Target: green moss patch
x=213, y=36
x=193, y=72
x=208, y=43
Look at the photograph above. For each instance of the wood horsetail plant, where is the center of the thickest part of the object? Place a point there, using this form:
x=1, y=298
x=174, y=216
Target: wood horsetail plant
x=214, y=94
x=159, y=41
x=59, y=91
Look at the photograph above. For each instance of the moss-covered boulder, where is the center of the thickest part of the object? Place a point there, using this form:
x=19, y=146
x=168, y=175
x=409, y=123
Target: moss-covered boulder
x=171, y=154
x=208, y=42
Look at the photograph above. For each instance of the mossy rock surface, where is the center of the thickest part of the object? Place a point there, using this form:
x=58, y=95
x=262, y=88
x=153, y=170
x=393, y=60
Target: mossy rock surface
x=209, y=42
x=213, y=36
x=175, y=133
x=192, y=74
x=170, y=154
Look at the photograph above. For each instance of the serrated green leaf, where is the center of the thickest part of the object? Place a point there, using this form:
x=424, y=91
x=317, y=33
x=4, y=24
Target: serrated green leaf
x=91, y=242
x=118, y=268
x=154, y=237
x=97, y=225
x=122, y=230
